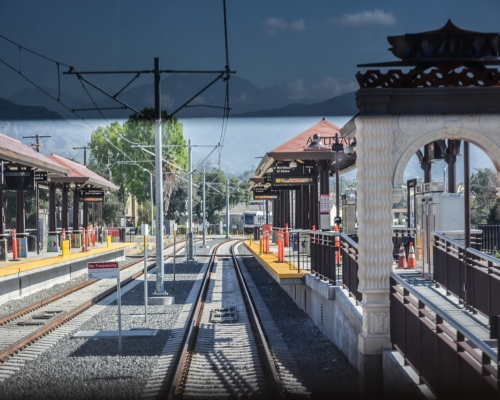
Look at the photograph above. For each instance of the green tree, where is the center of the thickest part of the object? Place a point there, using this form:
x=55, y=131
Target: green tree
x=494, y=214
x=112, y=209
x=483, y=188
x=115, y=148
x=215, y=194
x=178, y=201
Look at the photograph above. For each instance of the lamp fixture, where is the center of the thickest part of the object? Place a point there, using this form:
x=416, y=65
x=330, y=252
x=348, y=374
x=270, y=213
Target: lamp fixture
x=292, y=164
x=316, y=143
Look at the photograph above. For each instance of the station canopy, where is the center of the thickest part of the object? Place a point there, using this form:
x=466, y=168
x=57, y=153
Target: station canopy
x=17, y=155
x=81, y=175
x=298, y=151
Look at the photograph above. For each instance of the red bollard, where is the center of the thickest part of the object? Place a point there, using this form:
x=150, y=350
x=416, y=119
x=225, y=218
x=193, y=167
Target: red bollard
x=93, y=236
x=314, y=236
x=14, y=245
x=83, y=239
x=281, y=247
x=63, y=235
x=337, y=244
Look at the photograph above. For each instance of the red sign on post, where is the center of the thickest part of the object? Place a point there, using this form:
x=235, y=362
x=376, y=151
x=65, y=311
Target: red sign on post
x=103, y=270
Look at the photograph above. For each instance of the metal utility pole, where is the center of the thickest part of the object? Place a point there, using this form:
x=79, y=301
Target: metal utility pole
x=160, y=278
x=84, y=148
x=227, y=208
x=150, y=196
x=190, y=203
x=204, y=212
x=37, y=138
x=223, y=75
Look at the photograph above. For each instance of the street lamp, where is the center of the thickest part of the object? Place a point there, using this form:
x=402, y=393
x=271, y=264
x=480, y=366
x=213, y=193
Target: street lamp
x=151, y=197
x=348, y=151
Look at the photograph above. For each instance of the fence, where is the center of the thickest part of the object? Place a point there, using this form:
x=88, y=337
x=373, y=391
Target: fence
x=114, y=233
x=490, y=238
x=446, y=355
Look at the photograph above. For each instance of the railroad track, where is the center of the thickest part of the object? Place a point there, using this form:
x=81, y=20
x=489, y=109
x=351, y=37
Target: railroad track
x=224, y=351
x=22, y=328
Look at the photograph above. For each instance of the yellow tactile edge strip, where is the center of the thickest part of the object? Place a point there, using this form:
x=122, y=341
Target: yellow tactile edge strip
x=282, y=270
x=34, y=263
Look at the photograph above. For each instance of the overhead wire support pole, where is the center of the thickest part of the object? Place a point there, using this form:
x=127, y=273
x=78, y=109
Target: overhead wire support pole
x=190, y=203
x=227, y=208
x=160, y=278
x=84, y=148
x=204, y=212
x=222, y=74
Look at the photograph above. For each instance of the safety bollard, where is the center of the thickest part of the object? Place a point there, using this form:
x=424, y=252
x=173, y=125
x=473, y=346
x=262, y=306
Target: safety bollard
x=281, y=247
x=84, y=241
x=337, y=245
x=93, y=236
x=261, y=250
x=14, y=245
x=250, y=240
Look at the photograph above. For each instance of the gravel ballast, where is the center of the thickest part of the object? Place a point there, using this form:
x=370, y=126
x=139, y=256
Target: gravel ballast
x=323, y=367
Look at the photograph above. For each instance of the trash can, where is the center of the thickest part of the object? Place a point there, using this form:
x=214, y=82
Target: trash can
x=256, y=233
x=31, y=243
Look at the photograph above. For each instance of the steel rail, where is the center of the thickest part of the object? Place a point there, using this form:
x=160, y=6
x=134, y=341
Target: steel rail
x=67, y=315
x=256, y=324
x=182, y=359
x=188, y=343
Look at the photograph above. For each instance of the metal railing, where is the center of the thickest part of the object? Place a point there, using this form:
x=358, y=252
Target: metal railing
x=317, y=251
x=472, y=276
x=445, y=354
x=350, y=280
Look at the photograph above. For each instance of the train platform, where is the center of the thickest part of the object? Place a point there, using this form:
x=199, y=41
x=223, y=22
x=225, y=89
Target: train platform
x=449, y=304
x=285, y=273
x=476, y=323
x=24, y=276
x=45, y=258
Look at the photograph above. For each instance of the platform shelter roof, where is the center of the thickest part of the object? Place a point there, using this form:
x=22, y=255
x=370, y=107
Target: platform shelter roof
x=80, y=174
x=12, y=151
x=296, y=149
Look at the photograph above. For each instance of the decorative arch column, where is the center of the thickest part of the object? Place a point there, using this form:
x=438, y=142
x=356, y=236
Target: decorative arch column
x=374, y=158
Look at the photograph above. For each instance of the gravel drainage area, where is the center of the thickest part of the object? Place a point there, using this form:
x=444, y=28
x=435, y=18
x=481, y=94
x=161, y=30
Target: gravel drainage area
x=325, y=371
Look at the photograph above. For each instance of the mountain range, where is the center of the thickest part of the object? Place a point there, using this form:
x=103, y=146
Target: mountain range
x=245, y=99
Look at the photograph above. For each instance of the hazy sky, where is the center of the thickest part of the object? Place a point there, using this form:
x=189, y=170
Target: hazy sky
x=313, y=45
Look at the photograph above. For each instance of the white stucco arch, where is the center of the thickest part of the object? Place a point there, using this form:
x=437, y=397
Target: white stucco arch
x=451, y=128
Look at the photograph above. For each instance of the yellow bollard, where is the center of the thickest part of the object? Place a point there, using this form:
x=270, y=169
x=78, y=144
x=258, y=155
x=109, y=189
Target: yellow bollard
x=250, y=239
x=108, y=240
x=65, y=248
x=260, y=247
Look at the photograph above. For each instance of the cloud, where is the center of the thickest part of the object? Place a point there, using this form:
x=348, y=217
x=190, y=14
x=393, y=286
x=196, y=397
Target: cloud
x=375, y=17
x=327, y=88
x=274, y=25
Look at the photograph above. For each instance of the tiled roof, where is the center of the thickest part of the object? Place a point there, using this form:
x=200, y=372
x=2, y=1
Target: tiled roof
x=324, y=128
x=14, y=151
x=81, y=174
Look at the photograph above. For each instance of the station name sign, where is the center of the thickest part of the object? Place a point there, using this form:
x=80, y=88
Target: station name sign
x=91, y=195
x=447, y=43
x=284, y=175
